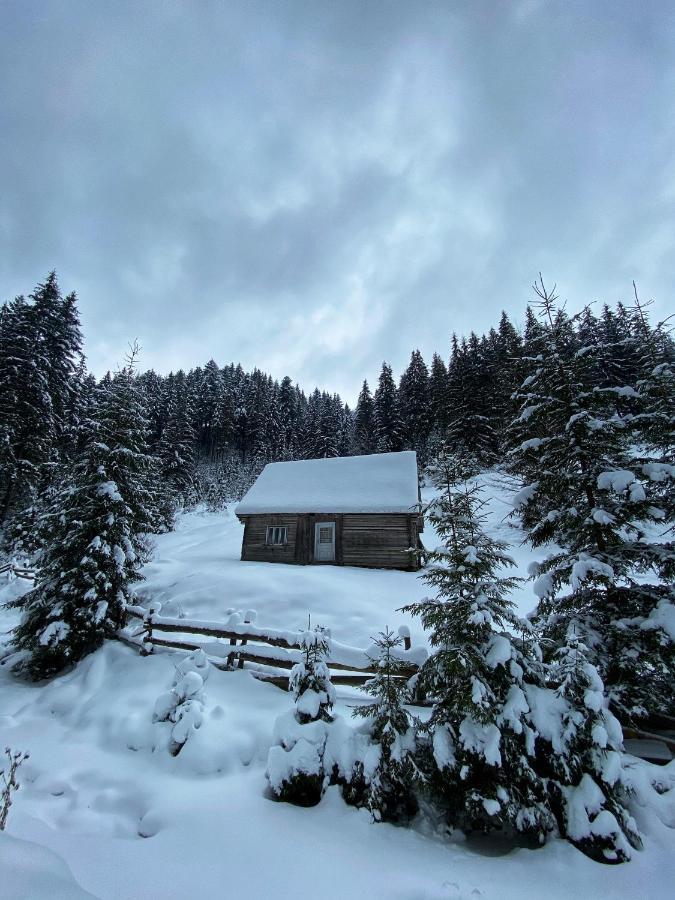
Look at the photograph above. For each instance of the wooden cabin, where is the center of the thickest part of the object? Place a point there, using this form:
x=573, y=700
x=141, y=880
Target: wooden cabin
x=346, y=511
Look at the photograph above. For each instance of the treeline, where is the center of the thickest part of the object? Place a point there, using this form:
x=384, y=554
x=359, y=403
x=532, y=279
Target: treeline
x=226, y=414
x=213, y=428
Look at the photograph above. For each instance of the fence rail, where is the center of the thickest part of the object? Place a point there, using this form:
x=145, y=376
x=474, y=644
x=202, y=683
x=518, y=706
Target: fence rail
x=17, y=571
x=265, y=650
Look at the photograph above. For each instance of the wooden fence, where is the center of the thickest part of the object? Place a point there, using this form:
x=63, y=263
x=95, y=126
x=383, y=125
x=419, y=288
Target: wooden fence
x=265, y=650
x=10, y=569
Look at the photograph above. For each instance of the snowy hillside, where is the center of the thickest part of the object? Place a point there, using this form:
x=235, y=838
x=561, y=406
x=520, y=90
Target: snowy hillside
x=101, y=796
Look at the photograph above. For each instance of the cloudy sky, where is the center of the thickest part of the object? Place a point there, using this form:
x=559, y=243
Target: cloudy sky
x=313, y=187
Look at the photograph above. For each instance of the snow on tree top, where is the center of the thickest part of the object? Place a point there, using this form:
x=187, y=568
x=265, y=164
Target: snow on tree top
x=379, y=483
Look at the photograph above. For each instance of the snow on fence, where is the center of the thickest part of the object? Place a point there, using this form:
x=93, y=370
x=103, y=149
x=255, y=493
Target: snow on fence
x=13, y=571
x=267, y=650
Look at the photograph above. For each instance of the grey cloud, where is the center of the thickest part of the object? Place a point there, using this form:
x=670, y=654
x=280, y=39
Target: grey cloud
x=315, y=187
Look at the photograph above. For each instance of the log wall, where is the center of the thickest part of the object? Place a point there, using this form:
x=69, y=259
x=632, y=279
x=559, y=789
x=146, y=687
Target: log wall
x=372, y=540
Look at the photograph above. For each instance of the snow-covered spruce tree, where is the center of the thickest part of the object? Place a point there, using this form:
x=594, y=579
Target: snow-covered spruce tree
x=654, y=423
x=479, y=762
x=388, y=427
x=470, y=401
x=183, y=705
x=415, y=406
x=176, y=449
x=365, y=440
x=295, y=767
x=438, y=399
x=60, y=338
x=587, y=491
x=94, y=544
x=584, y=764
x=124, y=427
x=382, y=781
x=26, y=415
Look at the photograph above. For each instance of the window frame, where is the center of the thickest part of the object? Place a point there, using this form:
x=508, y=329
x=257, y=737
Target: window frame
x=276, y=531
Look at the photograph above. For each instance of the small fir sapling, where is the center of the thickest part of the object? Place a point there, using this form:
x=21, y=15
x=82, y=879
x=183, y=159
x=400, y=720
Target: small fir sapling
x=183, y=705
x=382, y=780
x=585, y=758
x=477, y=762
x=295, y=767
x=9, y=782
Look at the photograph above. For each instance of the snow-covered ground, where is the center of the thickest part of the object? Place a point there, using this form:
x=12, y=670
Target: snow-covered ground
x=104, y=811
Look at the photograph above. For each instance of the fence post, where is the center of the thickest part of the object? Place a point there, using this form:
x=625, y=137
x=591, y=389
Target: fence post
x=231, y=656
x=147, y=647
x=244, y=641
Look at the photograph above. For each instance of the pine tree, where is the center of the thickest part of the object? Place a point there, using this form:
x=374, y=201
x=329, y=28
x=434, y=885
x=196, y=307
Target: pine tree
x=57, y=327
x=415, y=406
x=94, y=537
x=177, y=447
x=386, y=790
x=27, y=425
x=586, y=492
x=330, y=421
x=506, y=373
x=312, y=437
x=470, y=403
x=209, y=404
x=388, y=428
x=123, y=426
x=346, y=432
x=183, y=706
x=589, y=795
x=289, y=411
x=365, y=437
x=480, y=764
x=295, y=767
x=438, y=398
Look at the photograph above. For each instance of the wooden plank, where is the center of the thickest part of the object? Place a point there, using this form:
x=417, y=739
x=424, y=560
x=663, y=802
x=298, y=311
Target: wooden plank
x=253, y=655
x=339, y=529
x=224, y=633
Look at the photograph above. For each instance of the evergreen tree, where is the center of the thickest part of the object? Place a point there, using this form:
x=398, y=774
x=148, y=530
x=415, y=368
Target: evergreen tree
x=365, y=433
x=415, y=406
x=312, y=437
x=480, y=764
x=289, y=412
x=387, y=789
x=470, y=403
x=183, y=706
x=123, y=426
x=295, y=767
x=346, y=432
x=388, y=428
x=209, y=405
x=91, y=559
x=27, y=426
x=586, y=492
x=57, y=329
x=438, y=399
x=506, y=373
x=176, y=450
x=586, y=782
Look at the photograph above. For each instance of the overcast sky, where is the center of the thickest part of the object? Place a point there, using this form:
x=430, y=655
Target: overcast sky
x=313, y=187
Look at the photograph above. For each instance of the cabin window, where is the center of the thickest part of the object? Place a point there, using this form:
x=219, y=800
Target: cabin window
x=277, y=534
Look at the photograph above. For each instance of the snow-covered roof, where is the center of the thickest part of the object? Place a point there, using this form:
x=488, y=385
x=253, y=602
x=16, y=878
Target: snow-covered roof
x=380, y=483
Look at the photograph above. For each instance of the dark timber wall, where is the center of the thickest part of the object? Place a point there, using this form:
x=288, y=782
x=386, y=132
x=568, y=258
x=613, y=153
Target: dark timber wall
x=374, y=540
